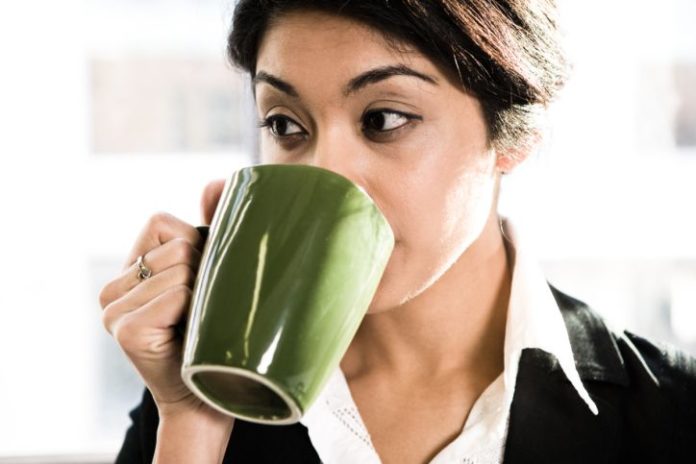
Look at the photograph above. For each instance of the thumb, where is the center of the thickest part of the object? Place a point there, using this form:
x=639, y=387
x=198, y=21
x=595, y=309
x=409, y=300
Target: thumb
x=210, y=198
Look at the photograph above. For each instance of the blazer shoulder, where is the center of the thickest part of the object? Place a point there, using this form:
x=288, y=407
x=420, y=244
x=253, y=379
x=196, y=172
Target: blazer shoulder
x=594, y=343
x=597, y=346
x=646, y=387
x=671, y=368
x=662, y=393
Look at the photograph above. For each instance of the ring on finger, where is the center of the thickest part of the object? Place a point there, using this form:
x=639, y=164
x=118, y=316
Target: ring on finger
x=144, y=272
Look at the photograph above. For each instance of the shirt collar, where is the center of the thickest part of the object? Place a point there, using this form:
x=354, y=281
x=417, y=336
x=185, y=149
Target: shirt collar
x=534, y=319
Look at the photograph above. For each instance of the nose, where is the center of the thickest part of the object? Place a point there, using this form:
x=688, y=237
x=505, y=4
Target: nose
x=342, y=151
x=338, y=151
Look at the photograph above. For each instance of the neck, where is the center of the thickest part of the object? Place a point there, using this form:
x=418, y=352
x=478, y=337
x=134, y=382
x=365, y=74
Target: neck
x=455, y=327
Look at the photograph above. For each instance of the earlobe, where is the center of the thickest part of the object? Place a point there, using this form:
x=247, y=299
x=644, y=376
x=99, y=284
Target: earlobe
x=504, y=164
x=509, y=158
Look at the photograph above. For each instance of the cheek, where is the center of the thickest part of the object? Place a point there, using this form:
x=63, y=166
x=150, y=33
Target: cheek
x=440, y=212
x=436, y=221
x=264, y=150
x=467, y=207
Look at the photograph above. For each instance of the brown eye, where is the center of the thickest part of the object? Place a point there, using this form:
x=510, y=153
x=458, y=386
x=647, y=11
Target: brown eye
x=281, y=126
x=385, y=120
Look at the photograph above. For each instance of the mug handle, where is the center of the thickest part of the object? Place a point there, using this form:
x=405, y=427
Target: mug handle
x=204, y=232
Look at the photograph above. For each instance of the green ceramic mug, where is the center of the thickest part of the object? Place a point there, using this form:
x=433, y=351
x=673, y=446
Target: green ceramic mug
x=292, y=261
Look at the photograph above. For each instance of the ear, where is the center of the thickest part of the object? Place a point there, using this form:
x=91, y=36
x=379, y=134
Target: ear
x=509, y=158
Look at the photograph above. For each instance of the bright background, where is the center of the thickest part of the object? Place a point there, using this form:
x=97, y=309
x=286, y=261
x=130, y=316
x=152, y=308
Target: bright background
x=111, y=110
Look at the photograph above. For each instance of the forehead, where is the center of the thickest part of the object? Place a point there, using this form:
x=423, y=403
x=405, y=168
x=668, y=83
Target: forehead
x=317, y=42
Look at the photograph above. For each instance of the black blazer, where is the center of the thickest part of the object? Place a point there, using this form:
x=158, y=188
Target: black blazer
x=645, y=393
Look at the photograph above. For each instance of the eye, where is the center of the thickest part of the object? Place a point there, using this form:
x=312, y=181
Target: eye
x=384, y=120
x=281, y=126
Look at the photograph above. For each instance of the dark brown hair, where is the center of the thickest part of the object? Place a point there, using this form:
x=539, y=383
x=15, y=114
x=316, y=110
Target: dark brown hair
x=506, y=52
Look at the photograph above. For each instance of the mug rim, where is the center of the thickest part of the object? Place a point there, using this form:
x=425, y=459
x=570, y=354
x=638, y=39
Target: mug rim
x=307, y=167
x=187, y=373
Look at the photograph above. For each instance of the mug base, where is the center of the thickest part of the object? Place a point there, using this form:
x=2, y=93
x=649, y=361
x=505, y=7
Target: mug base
x=242, y=394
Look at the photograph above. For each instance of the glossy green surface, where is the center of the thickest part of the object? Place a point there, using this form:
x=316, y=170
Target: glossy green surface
x=294, y=257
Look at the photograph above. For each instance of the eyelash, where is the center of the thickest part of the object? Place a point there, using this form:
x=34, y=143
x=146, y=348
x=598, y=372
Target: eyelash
x=267, y=123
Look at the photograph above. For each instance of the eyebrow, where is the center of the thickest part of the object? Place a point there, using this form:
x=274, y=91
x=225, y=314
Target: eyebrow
x=360, y=81
x=274, y=81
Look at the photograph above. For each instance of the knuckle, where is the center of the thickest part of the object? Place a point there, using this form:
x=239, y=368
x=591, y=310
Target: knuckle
x=184, y=275
x=135, y=336
x=109, y=316
x=126, y=332
x=183, y=250
x=107, y=320
x=105, y=295
x=180, y=294
x=159, y=220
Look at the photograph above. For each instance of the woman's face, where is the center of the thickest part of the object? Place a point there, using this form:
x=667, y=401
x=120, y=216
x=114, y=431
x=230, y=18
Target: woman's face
x=334, y=94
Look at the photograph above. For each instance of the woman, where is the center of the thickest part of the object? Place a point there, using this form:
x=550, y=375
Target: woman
x=466, y=354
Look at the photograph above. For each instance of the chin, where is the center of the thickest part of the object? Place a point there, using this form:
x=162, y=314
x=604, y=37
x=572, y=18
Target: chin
x=379, y=304
x=388, y=298
x=391, y=292
x=406, y=278
x=384, y=298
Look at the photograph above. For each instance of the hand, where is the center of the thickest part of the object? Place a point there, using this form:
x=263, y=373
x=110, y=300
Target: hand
x=142, y=315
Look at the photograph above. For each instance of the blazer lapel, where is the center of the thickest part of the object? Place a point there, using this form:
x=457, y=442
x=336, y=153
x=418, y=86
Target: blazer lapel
x=549, y=422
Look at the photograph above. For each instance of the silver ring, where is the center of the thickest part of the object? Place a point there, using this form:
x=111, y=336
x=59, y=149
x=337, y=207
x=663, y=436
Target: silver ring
x=144, y=272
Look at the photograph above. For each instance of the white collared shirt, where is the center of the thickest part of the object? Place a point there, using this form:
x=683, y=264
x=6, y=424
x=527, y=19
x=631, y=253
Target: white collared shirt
x=534, y=320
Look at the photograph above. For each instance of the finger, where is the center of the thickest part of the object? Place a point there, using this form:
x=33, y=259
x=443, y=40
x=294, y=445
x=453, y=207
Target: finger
x=175, y=251
x=180, y=274
x=140, y=331
x=160, y=229
x=147, y=291
x=210, y=199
